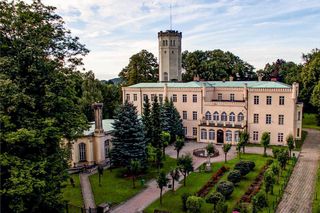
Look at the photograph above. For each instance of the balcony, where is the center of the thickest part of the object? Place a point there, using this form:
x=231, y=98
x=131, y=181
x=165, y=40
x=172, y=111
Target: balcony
x=227, y=124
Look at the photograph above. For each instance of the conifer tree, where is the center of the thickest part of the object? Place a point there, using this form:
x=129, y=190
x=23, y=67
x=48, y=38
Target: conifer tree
x=156, y=123
x=146, y=119
x=128, y=137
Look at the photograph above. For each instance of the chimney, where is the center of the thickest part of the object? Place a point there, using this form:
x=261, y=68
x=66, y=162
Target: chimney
x=97, y=107
x=231, y=78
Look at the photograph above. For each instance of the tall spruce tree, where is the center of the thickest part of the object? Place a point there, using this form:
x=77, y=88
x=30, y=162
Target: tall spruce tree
x=156, y=123
x=146, y=119
x=166, y=115
x=176, y=123
x=38, y=105
x=128, y=137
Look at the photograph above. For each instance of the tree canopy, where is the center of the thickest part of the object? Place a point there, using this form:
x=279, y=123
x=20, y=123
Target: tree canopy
x=215, y=65
x=142, y=67
x=40, y=104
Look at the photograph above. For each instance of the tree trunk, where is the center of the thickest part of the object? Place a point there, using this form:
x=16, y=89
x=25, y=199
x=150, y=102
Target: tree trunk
x=225, y=157
x=244, y=149
x=178, y=154
x=164, y=152
x=173, y=184
x=133, y=183
x=265, y=151
x=289, y=153
x=161, y=196
x=184, y=179
x=99, y=180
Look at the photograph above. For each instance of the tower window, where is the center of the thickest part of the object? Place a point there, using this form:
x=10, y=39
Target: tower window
x=165, y=52
x=174, y=42
x=82, y=152
x=163, y=43
x=172, y=52
x=166, y=42
x=165, y=76
x=170, y=42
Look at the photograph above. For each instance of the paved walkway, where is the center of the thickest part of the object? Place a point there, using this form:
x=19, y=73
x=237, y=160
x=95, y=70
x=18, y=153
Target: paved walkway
x=298, y=194
x=152, y=193
x=87, y=194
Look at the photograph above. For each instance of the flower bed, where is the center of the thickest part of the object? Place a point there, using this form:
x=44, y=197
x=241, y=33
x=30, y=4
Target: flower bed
x=254, y=187
x=213, y=180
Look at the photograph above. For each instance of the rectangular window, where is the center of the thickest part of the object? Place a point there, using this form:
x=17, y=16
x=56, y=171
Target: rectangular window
x=269, y=100
x=219, y=96
x=194, y=131
x=128, y=97
x=194, y=98
x=256, y=99
x=255, y=135
x=185, y=130
x=184, y=115
x=281, y=119
x=298, y=132
x=256, y=118
x=280, y=137
x=231, y=97
x=184, y=98
x=145, y=96
x=135, y=97
x=299, y=116
x=160, y=98
x=194, y=115
x=152, y=97
x=268, y=118
x=174, y=98
x=281, y=100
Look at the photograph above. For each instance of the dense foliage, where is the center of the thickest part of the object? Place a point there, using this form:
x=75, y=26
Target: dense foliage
x=234, y=176
x=40, y=105
x=215, y=65
x=128, y=137
x=225, y=188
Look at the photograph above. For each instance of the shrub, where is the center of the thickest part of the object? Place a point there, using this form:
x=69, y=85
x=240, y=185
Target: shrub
x=243, y=167
x=194, y=204
x=215, y=198
x=221, y=208
x=234, y=176
x=269, y=162
x=184, y=198
x=251, y=164
x=225, y=188
x=275, y=152
x=259, y=201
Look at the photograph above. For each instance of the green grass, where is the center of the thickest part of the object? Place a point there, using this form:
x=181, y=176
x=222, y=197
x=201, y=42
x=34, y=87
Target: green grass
x=73, y=195
x=316, y=200
x=116, y=188
x=172, y=200
x=309, y=121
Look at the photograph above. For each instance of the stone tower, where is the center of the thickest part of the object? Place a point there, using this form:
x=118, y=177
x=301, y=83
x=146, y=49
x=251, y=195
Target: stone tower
x=169, y=55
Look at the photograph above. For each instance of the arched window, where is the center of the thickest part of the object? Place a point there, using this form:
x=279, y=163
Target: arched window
x=208, y=116
x=82, y=152
x=232, y=117
x=203, y=134
x=165, y=76
x=236, y=136
x=228, y=136
x=106, y=148
x=224, y=116
x=215, y=116
x=240, y=117
x=163, y=43
x=211, y=135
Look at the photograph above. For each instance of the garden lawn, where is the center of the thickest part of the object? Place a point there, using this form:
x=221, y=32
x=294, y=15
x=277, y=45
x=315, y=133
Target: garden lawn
x=172, y=200
x=316, y=200
x=116, y=189
x=310, y=121
x=73, y=195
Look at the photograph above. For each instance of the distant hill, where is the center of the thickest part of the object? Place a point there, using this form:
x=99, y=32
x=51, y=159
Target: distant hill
x=115, y=81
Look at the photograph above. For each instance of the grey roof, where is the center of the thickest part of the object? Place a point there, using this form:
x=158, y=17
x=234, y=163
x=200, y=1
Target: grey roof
x=196, y=84
x=106, y=123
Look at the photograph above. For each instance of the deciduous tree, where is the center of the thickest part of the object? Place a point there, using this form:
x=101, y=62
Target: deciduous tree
x=226, y=148
x=162, y=181
x=178, y=145
x=185, y=166
x=265, y=141
x=290, y=143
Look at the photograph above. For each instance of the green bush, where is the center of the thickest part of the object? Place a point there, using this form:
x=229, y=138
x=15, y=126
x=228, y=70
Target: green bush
x=194, y=204
x=225, y=188
x=259, y=201
x=243, y=167
x=215, y=198
x=251, y=164
x=184, y=198
x=234, y=176
x=221, y=208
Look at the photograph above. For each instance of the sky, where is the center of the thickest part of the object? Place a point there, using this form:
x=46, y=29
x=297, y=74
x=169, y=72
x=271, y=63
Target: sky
x=259, y=32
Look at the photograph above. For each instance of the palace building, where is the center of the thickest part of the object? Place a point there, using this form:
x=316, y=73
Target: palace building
x=216, y=111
